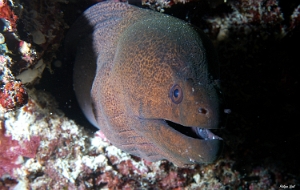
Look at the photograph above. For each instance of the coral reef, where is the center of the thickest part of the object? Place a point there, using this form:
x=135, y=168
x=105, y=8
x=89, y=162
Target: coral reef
x=22, y=59
x=13, y=95
x=41, y=148
x=13, y=152
x=161, y=5
x=246, y=17
x=7, y=14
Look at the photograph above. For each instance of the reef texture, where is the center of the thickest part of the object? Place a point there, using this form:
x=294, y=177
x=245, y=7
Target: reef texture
x=40, y=148
x=70, y=158
x=161, y=5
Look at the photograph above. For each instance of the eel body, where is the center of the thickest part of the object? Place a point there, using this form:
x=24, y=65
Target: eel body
x=147, y=81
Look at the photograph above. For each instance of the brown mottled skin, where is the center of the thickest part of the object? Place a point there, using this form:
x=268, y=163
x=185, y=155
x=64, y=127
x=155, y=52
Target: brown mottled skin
x=127, y=61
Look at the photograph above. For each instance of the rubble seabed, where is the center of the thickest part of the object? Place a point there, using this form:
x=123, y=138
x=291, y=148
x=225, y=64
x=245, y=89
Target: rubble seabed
x=40, y=148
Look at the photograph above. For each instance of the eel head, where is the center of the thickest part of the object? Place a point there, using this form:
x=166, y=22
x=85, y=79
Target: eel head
x=170, y=90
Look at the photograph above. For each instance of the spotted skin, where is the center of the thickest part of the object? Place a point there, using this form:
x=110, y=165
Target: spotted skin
x=127, y=60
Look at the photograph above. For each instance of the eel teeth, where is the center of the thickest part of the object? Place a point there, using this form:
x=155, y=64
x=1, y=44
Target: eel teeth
x=206, y=134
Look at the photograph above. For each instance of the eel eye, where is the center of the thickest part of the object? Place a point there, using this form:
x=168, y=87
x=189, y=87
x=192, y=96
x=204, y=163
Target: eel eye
x=176, y=94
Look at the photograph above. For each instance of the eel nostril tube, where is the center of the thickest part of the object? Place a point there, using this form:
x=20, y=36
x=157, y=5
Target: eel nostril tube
x=202, y=111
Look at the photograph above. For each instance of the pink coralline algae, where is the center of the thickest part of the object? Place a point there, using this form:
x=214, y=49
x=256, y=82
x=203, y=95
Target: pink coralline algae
x=12, y=151
x=12, y=95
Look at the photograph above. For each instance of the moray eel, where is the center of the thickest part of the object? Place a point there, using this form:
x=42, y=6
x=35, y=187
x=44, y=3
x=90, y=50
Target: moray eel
x=147, y=81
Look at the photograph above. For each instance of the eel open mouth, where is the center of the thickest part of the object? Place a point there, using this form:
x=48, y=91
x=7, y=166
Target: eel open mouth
x=194, y=132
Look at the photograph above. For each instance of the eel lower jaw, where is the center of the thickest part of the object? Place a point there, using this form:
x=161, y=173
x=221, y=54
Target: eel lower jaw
x=194, y=132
